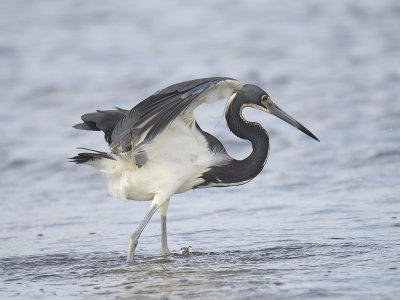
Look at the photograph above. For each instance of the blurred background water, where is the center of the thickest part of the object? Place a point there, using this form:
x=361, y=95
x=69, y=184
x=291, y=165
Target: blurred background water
x=322, y=220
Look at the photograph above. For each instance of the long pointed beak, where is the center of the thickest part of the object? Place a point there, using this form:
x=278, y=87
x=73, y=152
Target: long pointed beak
x=277, y=112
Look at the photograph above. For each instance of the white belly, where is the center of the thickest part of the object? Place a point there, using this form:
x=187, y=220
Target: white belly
x=176, y=160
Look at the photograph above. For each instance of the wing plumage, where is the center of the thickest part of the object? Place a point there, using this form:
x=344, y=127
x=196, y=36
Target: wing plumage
x=151, y=116
x=104, y=120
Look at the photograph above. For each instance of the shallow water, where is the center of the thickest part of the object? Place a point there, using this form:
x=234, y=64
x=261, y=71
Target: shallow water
x=321, y=221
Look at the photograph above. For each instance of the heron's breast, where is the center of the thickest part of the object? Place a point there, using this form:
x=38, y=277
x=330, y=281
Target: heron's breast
x=176, y=159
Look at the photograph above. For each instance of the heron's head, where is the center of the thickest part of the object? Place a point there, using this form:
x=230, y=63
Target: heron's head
x=254, y=96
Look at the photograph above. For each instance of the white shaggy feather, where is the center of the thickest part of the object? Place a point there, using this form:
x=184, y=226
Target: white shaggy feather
x=176, y=159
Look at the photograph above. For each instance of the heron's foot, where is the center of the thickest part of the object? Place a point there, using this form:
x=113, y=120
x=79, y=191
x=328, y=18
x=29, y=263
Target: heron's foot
x=165, y=251
x=133, y=241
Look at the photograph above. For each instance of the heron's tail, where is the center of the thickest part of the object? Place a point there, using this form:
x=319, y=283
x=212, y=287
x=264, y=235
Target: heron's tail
x=88, y=157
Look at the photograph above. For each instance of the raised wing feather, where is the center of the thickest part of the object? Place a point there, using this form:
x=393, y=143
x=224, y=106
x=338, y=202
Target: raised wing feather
x=151, y=116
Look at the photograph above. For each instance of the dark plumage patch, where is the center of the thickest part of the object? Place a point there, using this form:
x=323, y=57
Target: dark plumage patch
x=104, y=120
x=214, y=145
x=89, y=156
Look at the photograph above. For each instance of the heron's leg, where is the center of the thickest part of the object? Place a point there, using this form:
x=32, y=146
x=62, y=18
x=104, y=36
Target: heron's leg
x=135, y=236
x=164, y=244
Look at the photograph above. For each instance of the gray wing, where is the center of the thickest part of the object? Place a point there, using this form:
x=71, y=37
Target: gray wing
x=151, y=116
x=104, y=120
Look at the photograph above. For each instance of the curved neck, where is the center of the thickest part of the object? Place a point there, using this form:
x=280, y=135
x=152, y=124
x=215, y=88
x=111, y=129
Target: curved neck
x=252, y=165
x=237, y=172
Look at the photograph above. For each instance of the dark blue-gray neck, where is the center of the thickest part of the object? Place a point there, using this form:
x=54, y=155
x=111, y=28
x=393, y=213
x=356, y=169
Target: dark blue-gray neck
x=237, y=172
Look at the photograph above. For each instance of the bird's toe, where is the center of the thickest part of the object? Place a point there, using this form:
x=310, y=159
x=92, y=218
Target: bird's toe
x=165, y=251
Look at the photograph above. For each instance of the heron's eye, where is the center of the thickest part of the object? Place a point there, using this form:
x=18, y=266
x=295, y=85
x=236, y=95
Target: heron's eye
x=265, y=99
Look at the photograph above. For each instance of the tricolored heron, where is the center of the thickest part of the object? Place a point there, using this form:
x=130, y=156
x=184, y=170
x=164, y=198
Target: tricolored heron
x=157, y=149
